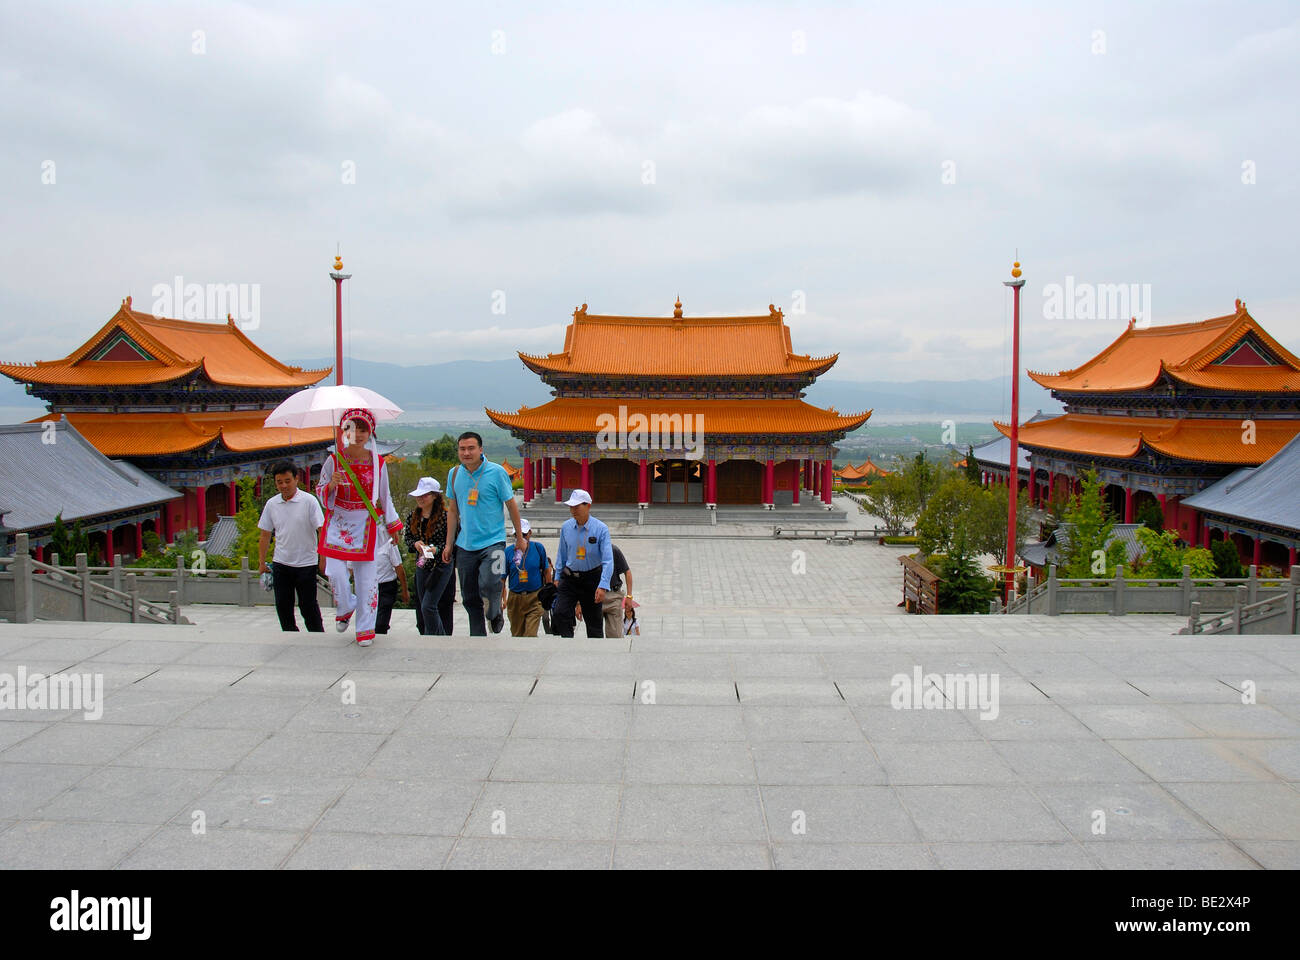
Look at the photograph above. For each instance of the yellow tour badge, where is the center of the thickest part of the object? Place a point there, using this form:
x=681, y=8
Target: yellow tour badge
x=582, y=553
x=523, y=575
x=472, y=497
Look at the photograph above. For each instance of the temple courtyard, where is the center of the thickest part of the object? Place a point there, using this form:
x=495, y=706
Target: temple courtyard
x=754, y=723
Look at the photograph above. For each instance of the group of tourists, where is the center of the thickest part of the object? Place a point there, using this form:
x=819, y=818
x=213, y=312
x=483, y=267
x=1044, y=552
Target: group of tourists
x=349, y=531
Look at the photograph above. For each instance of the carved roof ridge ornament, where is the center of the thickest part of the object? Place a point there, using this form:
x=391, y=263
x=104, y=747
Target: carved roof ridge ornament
x=677, y=308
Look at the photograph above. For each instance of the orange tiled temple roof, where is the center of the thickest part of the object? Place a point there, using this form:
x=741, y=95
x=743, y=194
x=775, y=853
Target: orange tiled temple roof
x=179, y=348
x=1187, y=352
x=864, y=469
x=579, y=415
x=1192, y=438
x=678, y=346
x=511, y=471
x=154, y=434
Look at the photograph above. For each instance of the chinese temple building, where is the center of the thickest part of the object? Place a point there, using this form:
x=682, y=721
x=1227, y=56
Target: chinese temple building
x=182, y=400
x=680, y=410
x=851, y=474
x=1164, y=413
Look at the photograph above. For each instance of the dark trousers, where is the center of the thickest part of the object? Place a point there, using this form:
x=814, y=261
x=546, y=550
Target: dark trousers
x=430, y=584
x=574, y=589
x=480, y=579
x=299, y=581
x=387, y=597
x=445, y=603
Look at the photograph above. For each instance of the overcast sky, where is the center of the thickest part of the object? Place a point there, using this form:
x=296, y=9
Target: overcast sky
x=878, y=163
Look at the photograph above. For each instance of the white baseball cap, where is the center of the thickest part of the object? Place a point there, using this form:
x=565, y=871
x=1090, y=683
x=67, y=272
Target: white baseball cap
x=426, y=485
x=578, y=496
x=524, y=525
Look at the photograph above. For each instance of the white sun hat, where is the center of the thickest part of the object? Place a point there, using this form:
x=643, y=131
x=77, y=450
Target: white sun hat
x=426, y=485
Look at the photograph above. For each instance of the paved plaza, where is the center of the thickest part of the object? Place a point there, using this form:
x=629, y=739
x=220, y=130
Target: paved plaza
x=749, y=726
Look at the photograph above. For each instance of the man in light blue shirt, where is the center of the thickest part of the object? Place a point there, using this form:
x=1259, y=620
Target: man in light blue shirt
x=477, y=492
x=584, y=564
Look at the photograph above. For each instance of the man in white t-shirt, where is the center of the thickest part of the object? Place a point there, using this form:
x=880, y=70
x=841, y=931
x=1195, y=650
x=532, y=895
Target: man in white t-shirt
x=295, y=519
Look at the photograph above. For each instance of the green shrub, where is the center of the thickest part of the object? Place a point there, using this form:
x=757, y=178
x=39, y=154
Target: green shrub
x=1227, y=562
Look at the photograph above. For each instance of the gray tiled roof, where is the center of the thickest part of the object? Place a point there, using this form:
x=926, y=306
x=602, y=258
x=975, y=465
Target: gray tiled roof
x=41, y=479
x=221, y=538
x=998, y=450
x=1058, y=542
x=1266, y=494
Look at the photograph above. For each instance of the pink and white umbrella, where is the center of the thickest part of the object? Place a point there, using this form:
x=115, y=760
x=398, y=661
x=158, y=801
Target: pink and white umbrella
x=323, y=406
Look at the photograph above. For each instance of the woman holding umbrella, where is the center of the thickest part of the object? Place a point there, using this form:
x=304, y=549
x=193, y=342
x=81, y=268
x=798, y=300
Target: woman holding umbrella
x=353, y=488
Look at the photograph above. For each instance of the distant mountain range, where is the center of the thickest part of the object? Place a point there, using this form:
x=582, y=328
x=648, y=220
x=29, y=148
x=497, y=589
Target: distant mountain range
x=460, y=389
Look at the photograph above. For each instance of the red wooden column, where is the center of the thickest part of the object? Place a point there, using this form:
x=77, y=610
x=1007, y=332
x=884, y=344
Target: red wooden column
x=827, y=482
x=711, y=483
x=201, y=504
x=546, y=472
x=1051, y=485
x=643, y=481
x=1259, y=544
x=769, y=482
x=1128, y=504
x=528, y=479
x=232, y=499
x=1205, y=536
x=537, y=477
x=108, y=546
x=558, y=486
x=1290, y=556
x=795, y=501
x=40, y=555
x=1164, y=520
x=816, y=486
x=586, y=474
x=139, y=539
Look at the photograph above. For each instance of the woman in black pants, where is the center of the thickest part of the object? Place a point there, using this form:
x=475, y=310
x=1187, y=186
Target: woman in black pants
x=426, y=535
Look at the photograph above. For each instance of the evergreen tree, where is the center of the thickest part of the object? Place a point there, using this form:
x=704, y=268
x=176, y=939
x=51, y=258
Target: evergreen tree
x=1092, y=553
x=972, y=468
x=248, y=535
x=1151, y=516
x=963, y=587
x=1227, y=561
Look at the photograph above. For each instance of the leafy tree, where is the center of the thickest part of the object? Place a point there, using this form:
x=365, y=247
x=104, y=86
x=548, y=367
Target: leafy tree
x=1151, y=516
x=969, y=519
x=893, y=500
x=923, y=478
x=1162, y=558
x=972, y=468
x=1227, y=561
x=963, y=588
x=442, y=450
x=1091, y=533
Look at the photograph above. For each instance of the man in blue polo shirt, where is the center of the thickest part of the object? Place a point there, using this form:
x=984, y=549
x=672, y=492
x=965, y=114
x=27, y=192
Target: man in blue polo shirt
x=477, y=492
x=525, y=575
x=584, y=564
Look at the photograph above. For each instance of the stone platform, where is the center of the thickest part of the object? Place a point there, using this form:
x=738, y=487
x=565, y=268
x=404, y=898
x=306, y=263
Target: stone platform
x=751, y=725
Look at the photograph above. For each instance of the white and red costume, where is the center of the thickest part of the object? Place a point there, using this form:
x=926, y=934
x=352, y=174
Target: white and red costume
x=350, y=533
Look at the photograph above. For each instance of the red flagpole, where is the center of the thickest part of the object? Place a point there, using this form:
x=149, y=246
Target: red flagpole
x=339, y=276
x=1013, y=465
